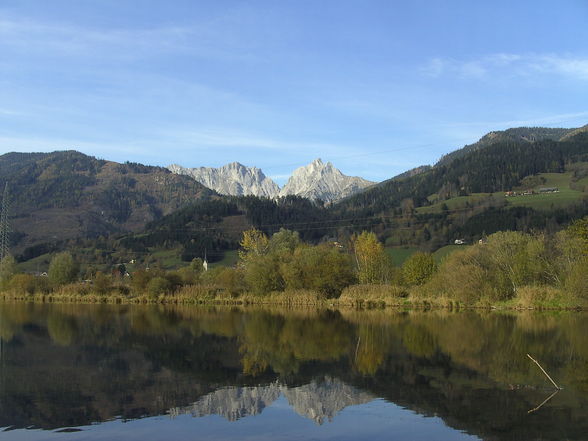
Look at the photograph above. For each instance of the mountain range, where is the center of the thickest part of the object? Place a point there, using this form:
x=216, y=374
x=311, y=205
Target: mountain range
x=464, y=197
x=60, y=199
x=315, y=181
x=232, y=179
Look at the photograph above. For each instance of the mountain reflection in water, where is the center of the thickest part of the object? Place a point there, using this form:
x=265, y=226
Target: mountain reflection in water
x=319, y=400
x=64, y=366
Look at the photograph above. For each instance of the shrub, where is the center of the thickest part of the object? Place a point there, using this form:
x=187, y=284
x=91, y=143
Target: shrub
x=576, y=283
x=197, y=293
x=157, y=286
x=22, y=283
x=231, y=280
x=123, y=290
x=7, y=270
x=174, y=279
x=321, y=268
x=463, y=276
x=140, y=279
x=29, y=284
x=418, y=268
x=357, y=295
x=102, y=283
x=262, y=275
x=517, y=259
x=539, y=295
x=191, y=274
x=62, y=269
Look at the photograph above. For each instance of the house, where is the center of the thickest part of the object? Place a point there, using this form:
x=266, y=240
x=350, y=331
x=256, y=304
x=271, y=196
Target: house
x=459, y=242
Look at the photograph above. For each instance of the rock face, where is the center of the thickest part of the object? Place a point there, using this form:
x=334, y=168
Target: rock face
x=316, y=181
x=322, y=400
x=232, y=179
x=320, y=181
x=319, y=400
x=232, y=403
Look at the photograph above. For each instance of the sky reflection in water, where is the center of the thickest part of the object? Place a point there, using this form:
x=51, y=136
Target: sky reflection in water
x=204, y=373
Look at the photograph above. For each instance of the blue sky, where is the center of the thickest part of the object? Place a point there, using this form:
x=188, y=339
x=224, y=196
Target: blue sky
x=376, y=87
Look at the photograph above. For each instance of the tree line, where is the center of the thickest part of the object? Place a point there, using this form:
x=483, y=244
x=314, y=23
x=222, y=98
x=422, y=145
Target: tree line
x=509, y=267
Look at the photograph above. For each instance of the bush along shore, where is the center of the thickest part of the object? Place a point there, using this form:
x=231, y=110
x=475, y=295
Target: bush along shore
x=506, y=269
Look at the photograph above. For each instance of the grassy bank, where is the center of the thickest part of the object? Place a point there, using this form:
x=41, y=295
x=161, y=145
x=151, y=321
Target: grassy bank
x=355, y=296
x=505, y=270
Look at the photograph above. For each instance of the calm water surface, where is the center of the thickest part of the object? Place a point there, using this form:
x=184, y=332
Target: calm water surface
x=83, y=372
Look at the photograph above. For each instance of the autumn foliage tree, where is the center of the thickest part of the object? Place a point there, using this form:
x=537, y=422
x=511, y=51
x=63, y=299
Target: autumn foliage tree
x=373, y=264
x=254, y=243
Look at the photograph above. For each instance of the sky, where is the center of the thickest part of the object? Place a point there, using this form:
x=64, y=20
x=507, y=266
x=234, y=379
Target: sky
x=376, y=87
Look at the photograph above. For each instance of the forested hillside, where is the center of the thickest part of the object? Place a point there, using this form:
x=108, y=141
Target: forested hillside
x=113, y=212
x=432, y=207
x=211, y=227
x=66, y=195
x=466, y=196
x=517, y=134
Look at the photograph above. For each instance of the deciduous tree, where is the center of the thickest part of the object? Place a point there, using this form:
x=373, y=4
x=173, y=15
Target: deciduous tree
x=418, y=268
x=62, y=269
x=373, y=265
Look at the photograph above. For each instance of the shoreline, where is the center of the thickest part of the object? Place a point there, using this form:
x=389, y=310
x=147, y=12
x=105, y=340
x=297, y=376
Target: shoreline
x=279, y=300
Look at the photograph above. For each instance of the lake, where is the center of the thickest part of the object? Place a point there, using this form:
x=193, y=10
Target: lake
x=100, y=372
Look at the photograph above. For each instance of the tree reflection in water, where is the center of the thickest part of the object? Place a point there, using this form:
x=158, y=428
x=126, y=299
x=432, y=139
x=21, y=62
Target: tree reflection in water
x=71, y=365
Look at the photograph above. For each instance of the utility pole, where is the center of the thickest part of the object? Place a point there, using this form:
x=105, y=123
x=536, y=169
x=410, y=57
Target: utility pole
x=4, y=224
x=4, y=236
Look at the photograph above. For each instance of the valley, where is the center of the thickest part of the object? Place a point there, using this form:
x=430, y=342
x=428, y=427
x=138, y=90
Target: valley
x=108, y=213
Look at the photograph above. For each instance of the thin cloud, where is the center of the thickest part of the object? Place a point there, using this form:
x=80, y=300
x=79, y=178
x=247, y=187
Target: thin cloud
x=438, y=67
x=226, y=138
x=567, y=66
x=231, y=138
x=574, y=67
x=39, y=144
x=66, y=40
x=545, y=120
x=10, y=112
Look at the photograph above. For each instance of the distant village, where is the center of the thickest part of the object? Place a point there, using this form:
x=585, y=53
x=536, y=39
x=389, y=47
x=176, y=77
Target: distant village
x=531, y=192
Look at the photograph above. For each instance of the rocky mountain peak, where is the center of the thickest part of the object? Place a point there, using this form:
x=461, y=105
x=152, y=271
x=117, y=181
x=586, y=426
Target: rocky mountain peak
x=320, y=181
x=233, y=179
x=317, y=181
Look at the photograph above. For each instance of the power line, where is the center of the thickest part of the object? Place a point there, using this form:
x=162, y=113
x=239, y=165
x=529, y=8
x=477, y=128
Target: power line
x=323, y=224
